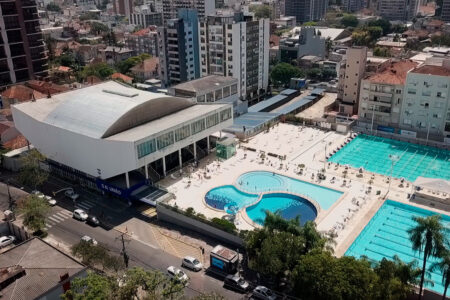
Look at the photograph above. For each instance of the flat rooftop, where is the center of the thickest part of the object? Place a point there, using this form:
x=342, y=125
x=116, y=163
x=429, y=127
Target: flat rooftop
x=43, y=265
x=205, y=83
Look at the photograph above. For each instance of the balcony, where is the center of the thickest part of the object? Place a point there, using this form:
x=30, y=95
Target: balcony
x=28, y=3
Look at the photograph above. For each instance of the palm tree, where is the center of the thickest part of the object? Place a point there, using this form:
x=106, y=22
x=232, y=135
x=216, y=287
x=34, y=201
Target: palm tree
x=427, y=236
x=444, y=266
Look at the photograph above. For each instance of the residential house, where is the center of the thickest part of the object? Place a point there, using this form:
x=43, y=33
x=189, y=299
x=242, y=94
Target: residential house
x=147, y=69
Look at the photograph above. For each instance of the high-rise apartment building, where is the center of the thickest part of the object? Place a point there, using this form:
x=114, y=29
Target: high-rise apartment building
x=145, y=19
x=123, y=7
x=203, y=7
x=445, y=11
x=22, y=50
x=306, y=10
x=397, y=10
x=179, y=48
x=143, y=41
x=351, y=73
x=352, y=5
x=235, y=45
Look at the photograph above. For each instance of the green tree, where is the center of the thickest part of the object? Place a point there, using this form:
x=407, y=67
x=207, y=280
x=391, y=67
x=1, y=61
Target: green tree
x=310, y=23
x=381, y=51
x=99, y=28
x=89, y=16
x=125, y=65
x=52, y=6
x=427, y=237
x=34, y=211
x=282, y=73
x=349, y=20
x=101, y=70
x=31, y=173
x=261, y=11
x=93, y=286
x=90, y=254
x=444, y=266
x=383, y=23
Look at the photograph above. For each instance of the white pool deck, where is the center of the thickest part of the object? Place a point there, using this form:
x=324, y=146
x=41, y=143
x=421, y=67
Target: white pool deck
x=301, y=145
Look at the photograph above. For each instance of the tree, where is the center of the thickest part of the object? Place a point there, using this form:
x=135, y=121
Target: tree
x=427, y=236
x=444, y=266
x=52, y=6
x=35, y=211
x=99, y=28
x=261, y=11
x=310, y=23
x=384, y=24
x=381, y=51
x=89, y=16
x=93, y=286
x=366, y=36
x=101, y=70
x=282, y=73
x=31, y=173
x=349, y=20
x=125, y=65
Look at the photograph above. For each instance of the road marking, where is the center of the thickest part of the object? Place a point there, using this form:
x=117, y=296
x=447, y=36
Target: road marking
x=51, y=222
x=55, y=219
x=48, y=226
x=66, y=212
x=59, y=214
x=59, y=217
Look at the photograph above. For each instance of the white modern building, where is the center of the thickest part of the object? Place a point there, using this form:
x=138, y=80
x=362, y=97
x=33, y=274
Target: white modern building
x=117, y=139
x=234, y=45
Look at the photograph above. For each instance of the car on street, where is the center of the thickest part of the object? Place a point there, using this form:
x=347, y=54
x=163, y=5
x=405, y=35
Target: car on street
x=92, y=220
x=177, y=275
x=6, y=240
x=80, y=214
x=236, y=283
x=192, y=263
x=263, y=293
x=88, y=239
x=50, y=200
x=71, y=194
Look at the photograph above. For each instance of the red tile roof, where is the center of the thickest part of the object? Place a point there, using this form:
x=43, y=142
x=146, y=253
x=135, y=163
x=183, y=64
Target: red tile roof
x=144, y=31
x=22, y=93
x=64, y=69
x=432, y=70
x=274, y=40
x=46, y=87
x=148, y=65
x=16, y=143
x=394, y=74
x=121, y=76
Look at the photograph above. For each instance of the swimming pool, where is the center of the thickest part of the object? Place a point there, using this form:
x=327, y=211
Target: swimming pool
x=372, y=153
x=262, y=181
x=386, y=235
x=228, y=196
x=289, y=206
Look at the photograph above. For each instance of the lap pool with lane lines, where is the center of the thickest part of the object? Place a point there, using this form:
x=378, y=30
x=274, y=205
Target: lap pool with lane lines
x=386, y=235
x=273, y=192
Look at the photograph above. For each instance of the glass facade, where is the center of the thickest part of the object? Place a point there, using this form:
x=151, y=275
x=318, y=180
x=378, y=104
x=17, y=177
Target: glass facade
x=212, y=120
x=198, y=126
x=182, y=133
x=146, y=148
x=165, y=140
x=225, y=114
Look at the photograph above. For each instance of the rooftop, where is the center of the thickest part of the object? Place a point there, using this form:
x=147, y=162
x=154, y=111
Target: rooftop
x=205, y=83
x=43, y=265
x=432, y=70
x=394, y=74
x=121, y=76
x=391, y=44
x=21, y=93
x=148, y=65
x=144, y=32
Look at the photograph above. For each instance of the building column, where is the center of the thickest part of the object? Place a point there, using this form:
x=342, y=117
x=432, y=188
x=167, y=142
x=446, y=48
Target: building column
x=146, y=171
x=164, y=166
x=207, y=143
x=195, y=150
x=127, y=179
x=180, y=159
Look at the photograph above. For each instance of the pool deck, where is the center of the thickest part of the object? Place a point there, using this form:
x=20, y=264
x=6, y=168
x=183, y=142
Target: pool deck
x=301, y=145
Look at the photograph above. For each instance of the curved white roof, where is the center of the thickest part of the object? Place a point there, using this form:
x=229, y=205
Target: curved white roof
x=103, y=110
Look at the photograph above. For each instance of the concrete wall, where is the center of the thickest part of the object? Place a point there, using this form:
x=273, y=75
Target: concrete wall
x=170, y=216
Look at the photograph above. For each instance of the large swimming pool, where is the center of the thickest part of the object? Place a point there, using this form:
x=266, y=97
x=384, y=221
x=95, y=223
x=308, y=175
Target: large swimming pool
x=386, y=235
x=372, y=153
x=261, y=191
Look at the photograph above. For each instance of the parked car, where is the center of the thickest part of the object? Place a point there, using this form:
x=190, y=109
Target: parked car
x=80, y=214
x=50, y=200
x=177, y=275
x=92, y=220
x=71, y=194
x=6, y=240
x=88, y=239
x=263, y=293
x=192, y=263
x=236, y=283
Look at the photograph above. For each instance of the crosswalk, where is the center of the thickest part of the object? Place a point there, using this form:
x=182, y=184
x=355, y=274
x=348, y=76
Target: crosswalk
x=86, y=205
x=57, y=218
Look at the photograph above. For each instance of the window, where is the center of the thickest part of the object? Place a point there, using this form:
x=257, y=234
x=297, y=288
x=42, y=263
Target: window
x=212, y=120
x=233, y=89
x=398, y=91
x=182, y=133
x=426, y=93
x=201, y=98
x=225, y=114
x=198, y=126
x=165, y=140
x=146, y=148
x=411, y=91
x=218, y=95
x=226, y=91
x=210, y=97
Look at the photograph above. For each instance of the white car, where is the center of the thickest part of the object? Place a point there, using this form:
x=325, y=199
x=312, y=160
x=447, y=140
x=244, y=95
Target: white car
x=261, y=292
x=88, y=239
x=6, y=240
x=71, y=194
x=50, y=200
x=191, y=263
x=177, y=274
x=80, y=214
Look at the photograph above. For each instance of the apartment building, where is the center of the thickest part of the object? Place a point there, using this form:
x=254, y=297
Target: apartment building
x=179, y=48
x=306, y=10
x=235, y=45
x=352, y=5
x=144, y=41
x=146, y=19
x=203, y=7
x=381, y=95
x=123, y=7
x=351, y=72
x=445, y=11
x=426, y=104
x=397, y=10
x=22, y=50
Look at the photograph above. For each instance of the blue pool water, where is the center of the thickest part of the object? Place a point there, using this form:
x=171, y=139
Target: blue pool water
x=386, y=235
x=289, y=206
x=262, y=181
x=227, y=196
x=372, y=153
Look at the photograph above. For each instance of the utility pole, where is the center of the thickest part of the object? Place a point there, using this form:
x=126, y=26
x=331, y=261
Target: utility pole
x=10, y=199
x=126, y=258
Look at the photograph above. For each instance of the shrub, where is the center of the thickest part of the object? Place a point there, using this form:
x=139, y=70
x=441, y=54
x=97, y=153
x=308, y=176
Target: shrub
x=224, y=225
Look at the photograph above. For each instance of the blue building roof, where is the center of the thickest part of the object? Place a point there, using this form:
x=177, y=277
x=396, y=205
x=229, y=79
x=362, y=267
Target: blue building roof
x=261, y=106
x=317, y=91
x=297, y=105
x=288, y=92
x=251, y=120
